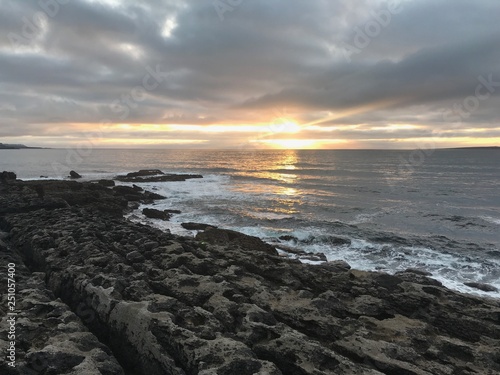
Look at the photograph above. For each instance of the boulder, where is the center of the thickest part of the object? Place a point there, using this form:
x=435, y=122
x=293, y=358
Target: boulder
x=156, y=214
x=74, y=175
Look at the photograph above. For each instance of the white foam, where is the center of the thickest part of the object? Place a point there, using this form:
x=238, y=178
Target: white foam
x=490, y=219
x=212, y=200
x=451, y=270
x=364, y=218
x=269, y=215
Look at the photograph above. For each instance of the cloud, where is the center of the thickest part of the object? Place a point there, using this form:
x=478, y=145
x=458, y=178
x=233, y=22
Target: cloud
x=80, y=63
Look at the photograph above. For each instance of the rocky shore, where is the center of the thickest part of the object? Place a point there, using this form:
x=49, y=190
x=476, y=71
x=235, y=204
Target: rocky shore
x=98, y=294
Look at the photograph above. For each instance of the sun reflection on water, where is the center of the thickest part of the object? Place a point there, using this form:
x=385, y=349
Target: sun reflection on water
x=290, y=192
x=276, y=168
x=280, y=182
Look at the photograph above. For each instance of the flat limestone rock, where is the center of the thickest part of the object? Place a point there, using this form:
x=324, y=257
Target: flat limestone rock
x=50, y=338
x=121, y=297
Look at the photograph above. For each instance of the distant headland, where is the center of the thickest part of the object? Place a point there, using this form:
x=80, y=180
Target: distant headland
x=6, y=146
x=476, y=148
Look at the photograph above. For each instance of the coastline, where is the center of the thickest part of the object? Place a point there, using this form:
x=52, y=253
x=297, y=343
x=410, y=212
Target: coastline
x=222, y=303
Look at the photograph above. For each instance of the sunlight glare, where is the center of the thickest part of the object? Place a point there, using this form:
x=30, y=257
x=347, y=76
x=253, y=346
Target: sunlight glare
x=291, y=144
x=289, y=127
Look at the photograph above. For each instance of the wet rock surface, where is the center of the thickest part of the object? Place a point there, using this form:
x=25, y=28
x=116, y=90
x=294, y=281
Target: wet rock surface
x=105, y=295
x=156, y=214
x=196, y=226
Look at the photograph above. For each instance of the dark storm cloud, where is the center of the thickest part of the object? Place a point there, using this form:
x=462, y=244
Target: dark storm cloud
x=82, y=61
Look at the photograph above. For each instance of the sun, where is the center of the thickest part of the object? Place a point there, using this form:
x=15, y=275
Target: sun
x=285, y=126
x=292, y=144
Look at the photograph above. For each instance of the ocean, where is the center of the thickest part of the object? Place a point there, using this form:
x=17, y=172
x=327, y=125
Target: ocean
x=437, y=211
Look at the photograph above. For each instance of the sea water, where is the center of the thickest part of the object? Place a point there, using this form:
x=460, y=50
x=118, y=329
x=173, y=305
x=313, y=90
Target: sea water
x=438, y=212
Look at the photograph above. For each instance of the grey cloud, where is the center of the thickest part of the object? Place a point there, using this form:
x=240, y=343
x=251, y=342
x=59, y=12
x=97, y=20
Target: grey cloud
x=265, y=55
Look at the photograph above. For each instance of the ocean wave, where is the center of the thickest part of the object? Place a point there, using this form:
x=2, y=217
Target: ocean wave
x=489, y=219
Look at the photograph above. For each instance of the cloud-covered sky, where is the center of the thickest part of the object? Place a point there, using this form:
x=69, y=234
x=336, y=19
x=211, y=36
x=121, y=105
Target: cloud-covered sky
x=250, y=73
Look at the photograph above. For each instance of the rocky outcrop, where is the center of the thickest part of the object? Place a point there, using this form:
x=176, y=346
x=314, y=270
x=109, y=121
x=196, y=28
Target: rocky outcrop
x=154, y=175
x=49, y=337
x=226, y=303
x=7, y=176
x=144, y=173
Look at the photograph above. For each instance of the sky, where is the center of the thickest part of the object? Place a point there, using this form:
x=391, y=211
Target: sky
x=215, y=74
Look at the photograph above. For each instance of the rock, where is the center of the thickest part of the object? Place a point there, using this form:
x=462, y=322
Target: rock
x=339, y=265
x=314, y=257
x=302, y=255
x=133, y=197
x=145, y=172
x=331, y=240
x=151, y=245
x=153, y=196
x=74, y=175
x=135, y=194
x=126, y=190
x=173, y=211
x=50, y=338
x=289, y=238
x=7, y=176
x=107, y=183
x=135, y=257
x=224, y=237
x=196, y=226
x=156, y=214
x=133, y=205
x=416, y=271
x=154, y=175
x=137, y=188
x=40, y=191
x=483, y=287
